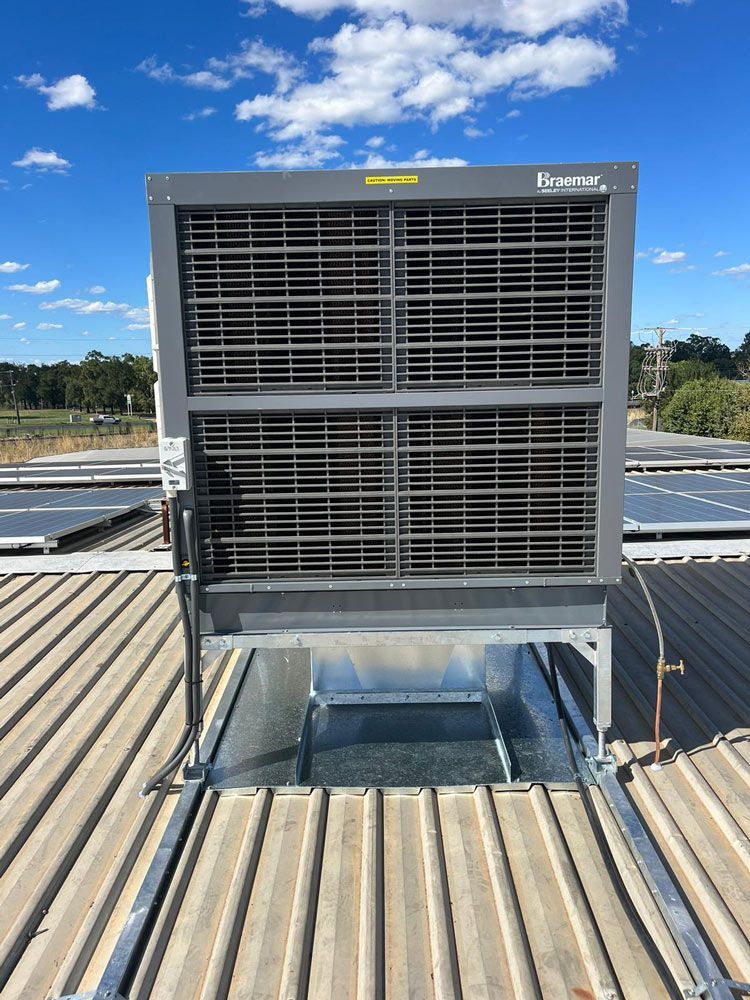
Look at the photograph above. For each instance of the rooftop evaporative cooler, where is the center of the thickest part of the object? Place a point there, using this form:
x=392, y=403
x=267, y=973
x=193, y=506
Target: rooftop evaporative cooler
x=396, y=402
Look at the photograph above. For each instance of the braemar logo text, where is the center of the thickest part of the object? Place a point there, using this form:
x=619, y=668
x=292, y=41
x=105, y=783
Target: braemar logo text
x=546, y=181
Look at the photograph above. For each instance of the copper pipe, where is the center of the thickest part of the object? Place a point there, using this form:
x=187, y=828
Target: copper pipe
x=165, y=533
x=657, y=724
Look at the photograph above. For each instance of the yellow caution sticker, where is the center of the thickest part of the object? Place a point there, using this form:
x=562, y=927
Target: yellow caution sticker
x=393, y=179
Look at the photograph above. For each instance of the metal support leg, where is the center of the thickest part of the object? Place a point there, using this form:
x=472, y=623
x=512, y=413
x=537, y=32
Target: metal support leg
x=603, y=688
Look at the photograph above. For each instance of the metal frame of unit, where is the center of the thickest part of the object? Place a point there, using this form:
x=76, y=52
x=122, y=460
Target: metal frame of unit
x=457, y=607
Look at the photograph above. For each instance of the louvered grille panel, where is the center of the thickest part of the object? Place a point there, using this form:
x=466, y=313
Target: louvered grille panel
x=286, y=299
x=499, y=294
x=495, y=492
x=290, y=495
x=479, y=492
x=301, y=299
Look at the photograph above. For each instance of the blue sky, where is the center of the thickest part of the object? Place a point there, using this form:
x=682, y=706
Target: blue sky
x=93, y=97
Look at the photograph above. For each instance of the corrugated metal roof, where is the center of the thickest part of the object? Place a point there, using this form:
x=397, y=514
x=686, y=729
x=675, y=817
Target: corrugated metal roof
x=422, y=894
x=90, y=704
x=698, y=806
x=142, y=531
x=419, y=895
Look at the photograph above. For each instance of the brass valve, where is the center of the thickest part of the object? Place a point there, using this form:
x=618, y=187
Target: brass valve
x=662, y=667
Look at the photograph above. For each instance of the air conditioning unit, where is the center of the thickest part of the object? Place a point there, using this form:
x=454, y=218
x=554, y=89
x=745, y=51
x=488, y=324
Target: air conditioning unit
x=396, y=402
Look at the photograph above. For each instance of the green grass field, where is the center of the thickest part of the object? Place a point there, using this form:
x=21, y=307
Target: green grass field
x=54, y=423
x=31, y=417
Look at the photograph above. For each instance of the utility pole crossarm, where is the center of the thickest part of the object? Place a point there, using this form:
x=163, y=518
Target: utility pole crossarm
x=652, y=383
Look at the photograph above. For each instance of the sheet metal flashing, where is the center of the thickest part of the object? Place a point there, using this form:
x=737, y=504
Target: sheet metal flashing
x=88, y=562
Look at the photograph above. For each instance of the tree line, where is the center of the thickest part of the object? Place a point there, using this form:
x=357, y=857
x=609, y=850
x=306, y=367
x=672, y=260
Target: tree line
x=705, y=393
x=697, y=357
x=97, y=384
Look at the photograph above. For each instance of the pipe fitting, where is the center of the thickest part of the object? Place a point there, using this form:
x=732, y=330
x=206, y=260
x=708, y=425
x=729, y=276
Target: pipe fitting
x=663, y=668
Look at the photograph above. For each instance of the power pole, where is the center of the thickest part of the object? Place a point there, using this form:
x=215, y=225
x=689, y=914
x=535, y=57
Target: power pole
x=653, y=381
x=12, y=386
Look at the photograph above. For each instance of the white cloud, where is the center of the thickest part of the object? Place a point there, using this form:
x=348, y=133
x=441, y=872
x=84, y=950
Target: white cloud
x=256, y=55
x=384, y=73
x=5, y=316
x=307, y=153
x=11, y=267
x=221, y=74
x=669, y=257
x=164, y=73
x=96, y=290
x=526, y=17
x=255, y=8
x=515, y=113
x=87, y=307
x=43, y=160
x=138, y=326
x=40, y=288
x=739, y=271
x=421, y=158
x=161, y=73
x=69, y=92
x=721, y=253
x=24, y=340
x=375, y=142
x=201, y=113
x=684, y=3
x=19, y=326
x=472, y=132
x=49, y=326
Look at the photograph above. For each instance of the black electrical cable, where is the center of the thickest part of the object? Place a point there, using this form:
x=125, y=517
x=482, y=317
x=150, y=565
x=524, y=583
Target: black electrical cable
x=600, y=837
x=190, y=728
x=196, y=674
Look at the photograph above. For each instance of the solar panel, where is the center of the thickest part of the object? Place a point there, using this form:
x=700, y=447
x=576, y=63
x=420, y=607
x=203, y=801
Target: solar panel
x=690, y=501
x=50, y=514
x=38, y=527
x=687, y=456
x=25, y=499
x=111, y=499
x=688, y=482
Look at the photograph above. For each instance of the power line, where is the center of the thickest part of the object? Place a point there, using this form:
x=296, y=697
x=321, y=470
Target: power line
x=652, y=383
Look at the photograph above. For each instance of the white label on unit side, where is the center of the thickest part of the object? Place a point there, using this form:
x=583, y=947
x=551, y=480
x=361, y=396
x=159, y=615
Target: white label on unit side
x=174, y=467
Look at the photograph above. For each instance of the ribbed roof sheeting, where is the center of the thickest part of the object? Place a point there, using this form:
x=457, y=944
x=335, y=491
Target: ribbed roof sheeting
x=91, y=704
x=698, y=806
x=433, y=894
x=142, y=531
x=406, y=894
